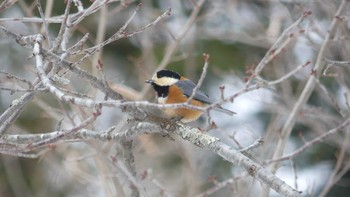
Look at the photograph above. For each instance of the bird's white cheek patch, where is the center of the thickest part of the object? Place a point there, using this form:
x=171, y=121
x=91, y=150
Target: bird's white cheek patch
x=165, y=81
x=162, y=100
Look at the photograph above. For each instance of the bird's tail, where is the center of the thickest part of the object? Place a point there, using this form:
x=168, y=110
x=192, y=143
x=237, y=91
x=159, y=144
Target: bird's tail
x=226, y=111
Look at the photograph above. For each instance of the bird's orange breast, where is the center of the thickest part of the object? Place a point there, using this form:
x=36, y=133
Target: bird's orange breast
x=186, y=115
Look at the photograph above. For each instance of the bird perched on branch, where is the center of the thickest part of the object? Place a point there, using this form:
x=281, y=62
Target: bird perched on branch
x=172, y=88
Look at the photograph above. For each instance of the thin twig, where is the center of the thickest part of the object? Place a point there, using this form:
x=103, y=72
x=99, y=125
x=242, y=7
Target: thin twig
x=62, y=134
x=64, y=29
x=256, y=144
x=261, y=84
x=6, y=4
x=13, y=90
x=201, y=79
x=341, y=159
x=295, y=174
x=310, y=143
x=220, y=185
x=25, y=155
x=332, y=98
x=10, y=76
x=42, y=15
x=309, y=87
x=286, y=37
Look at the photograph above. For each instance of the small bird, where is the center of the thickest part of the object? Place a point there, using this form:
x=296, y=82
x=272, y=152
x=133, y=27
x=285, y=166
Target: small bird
x=173, y=88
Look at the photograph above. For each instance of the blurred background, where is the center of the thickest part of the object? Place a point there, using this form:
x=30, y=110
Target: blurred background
x=236, y=34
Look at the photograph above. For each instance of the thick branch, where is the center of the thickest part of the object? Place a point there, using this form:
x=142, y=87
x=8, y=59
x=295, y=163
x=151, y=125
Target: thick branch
x=190, y=134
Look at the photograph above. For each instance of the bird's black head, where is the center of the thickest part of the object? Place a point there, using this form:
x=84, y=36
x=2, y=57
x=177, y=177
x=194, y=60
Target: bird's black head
x=168, y=73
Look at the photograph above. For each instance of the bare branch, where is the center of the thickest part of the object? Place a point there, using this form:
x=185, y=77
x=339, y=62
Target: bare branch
x=309, y=87
x=196, y=137
x=287, y=36
x=42, y=15
x=311, y=143
x=256, y=144
x=201, y=79
x=219, y=185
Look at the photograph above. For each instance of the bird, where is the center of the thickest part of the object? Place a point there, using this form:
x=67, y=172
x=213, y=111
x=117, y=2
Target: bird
x=172, y=88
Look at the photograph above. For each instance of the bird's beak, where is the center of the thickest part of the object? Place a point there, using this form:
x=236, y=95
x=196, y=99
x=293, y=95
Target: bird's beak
x=149, y=81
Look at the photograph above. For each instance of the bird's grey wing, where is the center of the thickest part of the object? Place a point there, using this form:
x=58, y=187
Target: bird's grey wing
x=187, y=87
